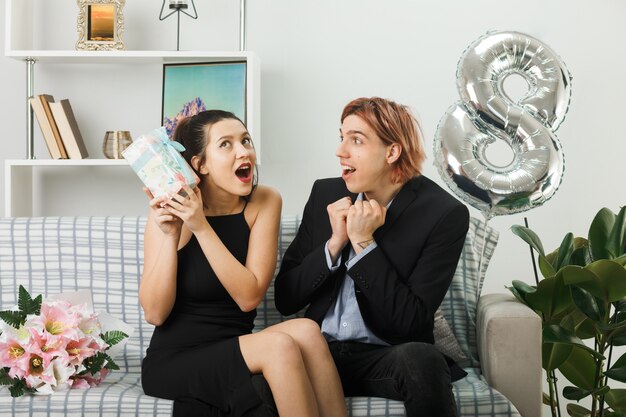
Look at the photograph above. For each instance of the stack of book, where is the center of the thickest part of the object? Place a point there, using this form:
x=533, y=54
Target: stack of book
x=59, y=127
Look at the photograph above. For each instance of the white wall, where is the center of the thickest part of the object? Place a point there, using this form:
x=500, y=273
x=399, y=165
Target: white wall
x=316, y=56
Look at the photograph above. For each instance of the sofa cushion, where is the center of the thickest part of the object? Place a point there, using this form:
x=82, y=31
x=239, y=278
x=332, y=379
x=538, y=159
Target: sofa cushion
x=473, y=396
x=445, y=341
x=53, y=255
x=459, y=304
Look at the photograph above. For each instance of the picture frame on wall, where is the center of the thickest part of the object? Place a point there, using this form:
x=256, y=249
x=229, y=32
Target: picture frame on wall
x=100, y=25
x=190, y=88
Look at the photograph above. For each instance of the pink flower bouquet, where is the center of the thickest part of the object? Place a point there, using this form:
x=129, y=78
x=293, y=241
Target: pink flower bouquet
x=56, y=344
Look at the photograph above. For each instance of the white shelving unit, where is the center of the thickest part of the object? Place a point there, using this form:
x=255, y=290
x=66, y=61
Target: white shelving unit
x=18, y=178
x=19, y=174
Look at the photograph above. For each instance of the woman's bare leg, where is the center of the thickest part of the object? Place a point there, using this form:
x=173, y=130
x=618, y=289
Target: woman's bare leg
x=319, y=365
x=277, y=356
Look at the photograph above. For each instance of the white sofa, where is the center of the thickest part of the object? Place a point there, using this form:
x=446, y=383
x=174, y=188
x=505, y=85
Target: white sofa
x=499, y=336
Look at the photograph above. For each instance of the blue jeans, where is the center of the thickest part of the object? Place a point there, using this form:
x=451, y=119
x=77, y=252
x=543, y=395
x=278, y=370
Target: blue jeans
x=415, y=373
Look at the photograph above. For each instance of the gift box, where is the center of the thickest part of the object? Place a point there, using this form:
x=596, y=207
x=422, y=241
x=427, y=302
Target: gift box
x=157, y=161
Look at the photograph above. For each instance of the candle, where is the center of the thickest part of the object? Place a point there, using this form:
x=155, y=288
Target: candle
x=178, y=4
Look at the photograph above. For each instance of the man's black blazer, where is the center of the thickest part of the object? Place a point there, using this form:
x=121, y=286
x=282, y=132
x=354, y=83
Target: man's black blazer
x=400, y=284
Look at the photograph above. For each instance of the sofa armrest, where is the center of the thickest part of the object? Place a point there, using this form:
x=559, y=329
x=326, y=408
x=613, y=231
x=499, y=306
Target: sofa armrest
x=509, y=347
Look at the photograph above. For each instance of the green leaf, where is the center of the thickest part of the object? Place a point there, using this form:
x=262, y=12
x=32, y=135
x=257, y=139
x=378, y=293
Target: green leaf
x=523, y=288
x=579, y=324
x=565, y=251
x=615, y=245
x=533, y=240
x=556, y=334
x=580, y=369
x=576, y=410
x=95, y=363
x=577, y=394
x=620, y=305
x=552, y=256
x=617, y=374
x=610, y=330
x=612, y=277
x=554, y=355
x=551, y=297
x=584, y=278
x=546, y=268
x=529, y=237
x=599, y=232
x=619, y=340
x=581, y=256
x=5, y=379
x=36, y=305
x=517, y=295
x=621, y=260
x=113, y=337
x=616, y=399
x=111, y=364
x=23, y=301
x=614, y=413
x=587, y=303
x=18, y=388
x=13, y=318
x=618, y=369
x=545, y=398
x=26, y=304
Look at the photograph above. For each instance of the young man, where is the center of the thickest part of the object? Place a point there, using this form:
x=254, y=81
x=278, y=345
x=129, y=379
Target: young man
x=373, y=259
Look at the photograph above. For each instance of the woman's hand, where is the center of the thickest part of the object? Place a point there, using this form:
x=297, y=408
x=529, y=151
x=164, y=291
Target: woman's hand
x=190, y=209
x=168, y=223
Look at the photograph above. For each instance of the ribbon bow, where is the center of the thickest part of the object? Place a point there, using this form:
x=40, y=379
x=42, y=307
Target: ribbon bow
x=162, y=134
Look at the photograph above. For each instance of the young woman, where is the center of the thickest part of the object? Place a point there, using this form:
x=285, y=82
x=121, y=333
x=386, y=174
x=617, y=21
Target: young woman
x=209, y=259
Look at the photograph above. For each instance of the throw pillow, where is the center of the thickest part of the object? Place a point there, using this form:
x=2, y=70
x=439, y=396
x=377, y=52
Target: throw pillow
x=460, y=303
x=445, y=341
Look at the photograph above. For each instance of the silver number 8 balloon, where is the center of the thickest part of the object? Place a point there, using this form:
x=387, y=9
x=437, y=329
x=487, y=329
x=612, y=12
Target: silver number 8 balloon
x=486, y=114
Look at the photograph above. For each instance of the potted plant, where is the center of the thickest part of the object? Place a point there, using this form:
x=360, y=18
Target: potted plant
x=582, y=296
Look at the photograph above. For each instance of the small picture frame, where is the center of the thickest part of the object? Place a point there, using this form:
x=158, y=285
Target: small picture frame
x=189, y=88
x=100, y=25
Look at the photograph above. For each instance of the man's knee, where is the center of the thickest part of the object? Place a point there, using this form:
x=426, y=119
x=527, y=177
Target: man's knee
x=420, y=361
x=420, y=353
x=425, y=385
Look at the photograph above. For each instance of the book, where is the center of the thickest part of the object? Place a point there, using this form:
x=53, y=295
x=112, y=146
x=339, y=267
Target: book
x=68, y=128
x=46, y=128
x=46, y=99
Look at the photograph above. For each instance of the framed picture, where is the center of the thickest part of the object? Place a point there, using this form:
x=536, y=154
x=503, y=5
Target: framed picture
x=100, y=25
x=191, y=88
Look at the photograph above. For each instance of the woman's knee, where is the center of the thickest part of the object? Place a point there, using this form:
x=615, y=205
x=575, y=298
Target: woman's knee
x=268, y=349
x=307, y=331
x=307, y=326
x=283, y=346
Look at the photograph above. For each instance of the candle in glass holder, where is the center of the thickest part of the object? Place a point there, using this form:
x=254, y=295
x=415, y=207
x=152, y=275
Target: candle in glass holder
x=178, y=4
